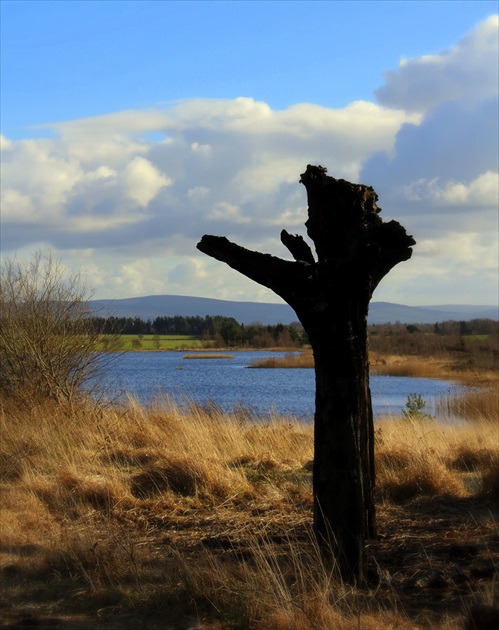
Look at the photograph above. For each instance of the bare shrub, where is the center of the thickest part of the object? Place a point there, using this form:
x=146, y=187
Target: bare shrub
x=48, y=343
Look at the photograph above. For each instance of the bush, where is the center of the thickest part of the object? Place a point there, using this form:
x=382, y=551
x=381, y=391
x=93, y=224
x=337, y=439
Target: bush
x=48, y=342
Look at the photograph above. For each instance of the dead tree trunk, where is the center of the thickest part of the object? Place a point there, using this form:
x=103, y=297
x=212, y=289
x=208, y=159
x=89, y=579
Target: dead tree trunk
x=330, y=296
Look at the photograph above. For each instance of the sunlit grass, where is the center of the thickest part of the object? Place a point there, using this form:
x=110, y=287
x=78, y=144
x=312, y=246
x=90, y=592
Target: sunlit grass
x=289, y=360
x=190, y=512
x=213, y=355
x=478, y=403
x=442, y=367
x=446, y=367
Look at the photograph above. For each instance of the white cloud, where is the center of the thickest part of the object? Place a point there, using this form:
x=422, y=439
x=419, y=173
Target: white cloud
x=189, y=271
x=482, y=191
x=198, y=192
x=441, y=179
x=201, y=148
x=16, y=206
x=472, y=250
x=224, y=165
x=137, y=278
x=138, y=189
x=102, y=172
x=467, y=72
x=143, y=181
x=5, y=143
x=43, y=170
x=227, y=211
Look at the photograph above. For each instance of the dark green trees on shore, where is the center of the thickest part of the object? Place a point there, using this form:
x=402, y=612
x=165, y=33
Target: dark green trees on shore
x=211, y=327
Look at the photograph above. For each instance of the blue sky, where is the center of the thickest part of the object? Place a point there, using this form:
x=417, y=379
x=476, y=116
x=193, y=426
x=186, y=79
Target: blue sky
x=132, y=128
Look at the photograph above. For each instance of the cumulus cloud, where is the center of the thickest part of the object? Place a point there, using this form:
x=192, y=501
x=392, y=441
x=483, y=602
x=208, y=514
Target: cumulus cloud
x=126, y=196
x=467, y=73
x=442, y=178
x=143, y=181
x=5, y=143
x=231, y=166
x=480, y=192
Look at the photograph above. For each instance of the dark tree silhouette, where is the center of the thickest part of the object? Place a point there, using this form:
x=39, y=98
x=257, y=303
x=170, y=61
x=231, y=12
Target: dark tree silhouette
x=355, y=250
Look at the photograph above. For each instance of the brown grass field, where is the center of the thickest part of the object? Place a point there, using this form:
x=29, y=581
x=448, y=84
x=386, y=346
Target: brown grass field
x=170, y=518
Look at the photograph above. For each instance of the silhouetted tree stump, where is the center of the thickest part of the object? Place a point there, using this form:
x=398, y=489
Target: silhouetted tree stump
x=330, y=296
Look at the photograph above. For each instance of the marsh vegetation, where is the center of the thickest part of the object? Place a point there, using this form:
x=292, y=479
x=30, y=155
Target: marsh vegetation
x=395, y=351
x=161, y=517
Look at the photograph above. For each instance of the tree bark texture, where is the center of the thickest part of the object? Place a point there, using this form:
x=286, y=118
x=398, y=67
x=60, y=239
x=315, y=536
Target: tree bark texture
x=330, y=295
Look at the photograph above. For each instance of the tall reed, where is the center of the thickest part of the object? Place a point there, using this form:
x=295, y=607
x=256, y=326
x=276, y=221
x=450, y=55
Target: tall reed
x=477, y=403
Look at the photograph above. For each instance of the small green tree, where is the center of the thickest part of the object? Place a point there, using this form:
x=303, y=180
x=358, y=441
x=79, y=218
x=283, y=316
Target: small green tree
x=48, y=341
x=415, y=407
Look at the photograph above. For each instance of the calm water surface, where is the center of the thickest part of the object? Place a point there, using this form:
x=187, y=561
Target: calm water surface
x=229, y=384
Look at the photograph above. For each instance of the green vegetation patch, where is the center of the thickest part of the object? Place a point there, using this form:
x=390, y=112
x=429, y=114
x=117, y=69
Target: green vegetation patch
x=154, y=343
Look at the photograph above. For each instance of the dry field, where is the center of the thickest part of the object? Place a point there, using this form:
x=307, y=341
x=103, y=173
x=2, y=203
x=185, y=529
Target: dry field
x=161, y=517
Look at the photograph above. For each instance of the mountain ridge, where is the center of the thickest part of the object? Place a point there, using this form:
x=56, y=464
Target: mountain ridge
x=152, y=306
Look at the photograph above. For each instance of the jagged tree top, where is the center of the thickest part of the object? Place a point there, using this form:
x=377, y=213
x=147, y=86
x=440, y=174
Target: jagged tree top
x=348, y=234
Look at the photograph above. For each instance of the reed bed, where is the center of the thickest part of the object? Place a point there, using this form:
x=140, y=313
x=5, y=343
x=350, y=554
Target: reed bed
x=289, y=360
x=214, y=355
x=417, y=366
x=185, y=516
x=471, y=403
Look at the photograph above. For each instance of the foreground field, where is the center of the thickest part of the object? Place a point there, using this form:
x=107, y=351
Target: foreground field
x=137, y=518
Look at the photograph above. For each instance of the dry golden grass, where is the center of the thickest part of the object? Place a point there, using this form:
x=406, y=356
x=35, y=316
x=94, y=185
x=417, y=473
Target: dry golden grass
x=213, y=355
x=446, y=366
x=417, y=367
x=421, y=456
x=289, y=360
x=170, y=517
x=425, y=367
x=478, y=403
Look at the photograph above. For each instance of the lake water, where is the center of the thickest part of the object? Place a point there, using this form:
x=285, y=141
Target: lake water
x=229, y=384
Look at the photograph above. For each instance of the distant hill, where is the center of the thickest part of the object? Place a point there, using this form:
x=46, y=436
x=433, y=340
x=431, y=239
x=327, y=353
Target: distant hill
x=152, y=306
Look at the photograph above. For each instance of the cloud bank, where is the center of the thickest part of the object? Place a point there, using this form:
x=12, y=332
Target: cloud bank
x=126, y=196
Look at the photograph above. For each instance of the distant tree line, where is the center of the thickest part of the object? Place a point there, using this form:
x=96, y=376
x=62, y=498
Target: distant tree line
x=229, y=332
x=476, y=337
x=216, y=328
x=450, y=327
